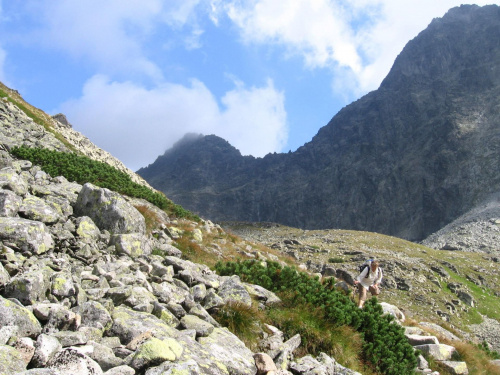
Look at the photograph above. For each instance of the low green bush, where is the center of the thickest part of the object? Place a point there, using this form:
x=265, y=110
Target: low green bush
x=82, y=169
x=384, y=343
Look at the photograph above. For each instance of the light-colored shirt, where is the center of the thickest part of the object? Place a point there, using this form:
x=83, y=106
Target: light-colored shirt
x=373, y=277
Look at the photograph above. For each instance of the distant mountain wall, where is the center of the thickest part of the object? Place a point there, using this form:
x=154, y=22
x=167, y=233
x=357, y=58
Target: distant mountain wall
x=403, y=160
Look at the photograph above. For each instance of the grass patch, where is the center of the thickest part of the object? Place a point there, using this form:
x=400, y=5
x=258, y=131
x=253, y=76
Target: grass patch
x=244, y=321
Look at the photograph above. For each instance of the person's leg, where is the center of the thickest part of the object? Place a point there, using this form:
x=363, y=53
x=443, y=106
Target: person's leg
x=375, y=291
x=362, y=295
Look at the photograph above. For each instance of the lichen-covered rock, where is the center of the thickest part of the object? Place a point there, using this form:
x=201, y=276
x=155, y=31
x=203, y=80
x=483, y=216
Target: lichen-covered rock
x=10, y=180
x=62, y=285
x=27, y=235
x=233, y=290
x=155, y=351
x=86, y=229
x=11, y=360
x=229, y=350
x=455, y=367
x=128, y=324
x=94, y=314
x=9, y=203
x=131, y=244
x=201, y=327
x=109, y=210
x=37, y=209
x=188, y=367
x=440, y=352
x=29, y=287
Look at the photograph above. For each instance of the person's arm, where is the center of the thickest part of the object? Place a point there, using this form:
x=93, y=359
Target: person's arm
x=378, y=280
x=361, y=275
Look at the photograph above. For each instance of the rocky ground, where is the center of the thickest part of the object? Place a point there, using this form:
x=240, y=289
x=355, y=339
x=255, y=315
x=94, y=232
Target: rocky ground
x=458, y=288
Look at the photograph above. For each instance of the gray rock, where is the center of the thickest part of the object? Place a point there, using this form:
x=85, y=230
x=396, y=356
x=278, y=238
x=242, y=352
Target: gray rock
x=72, y=361
x=455, y=367
x=230, y=351
x=4, y=276
x=10, y=180
x=155, y=351
x=70, y=338
x=86, y=229
x=121, y=370
x=46, y=347
x=29, y=287
x=233, y=290
x=6, y=332
x=94, y=314
x=127, y=324
x=109, y=210
x=201, y=327
x=11, y=360
x=264, y=363
x=9, y=203
x=132, y=244
x=440, y=352
x=27, y=235
x=262, y=294
x=104, y=356
x=11, y=314
x=62, y=285
x=189, y=366
x=421, y=340
x=37, y=209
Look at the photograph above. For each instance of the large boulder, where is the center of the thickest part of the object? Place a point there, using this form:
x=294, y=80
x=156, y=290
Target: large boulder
x=72, y=361
x=11, y=314
x=128, y=324
x=233, y=290
x=230, y=351
x=109, y=210
x=27, y=235
x=37, y=209
x=29, y=287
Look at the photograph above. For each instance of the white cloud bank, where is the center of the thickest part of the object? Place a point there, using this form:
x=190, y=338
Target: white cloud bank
x=358, y=40
x=136, y=124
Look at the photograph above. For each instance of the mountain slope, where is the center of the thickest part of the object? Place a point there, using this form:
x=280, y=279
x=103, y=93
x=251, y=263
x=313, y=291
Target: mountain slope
x=404, y=160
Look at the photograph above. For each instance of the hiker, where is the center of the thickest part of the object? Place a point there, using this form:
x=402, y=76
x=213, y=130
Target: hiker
x=369, y=279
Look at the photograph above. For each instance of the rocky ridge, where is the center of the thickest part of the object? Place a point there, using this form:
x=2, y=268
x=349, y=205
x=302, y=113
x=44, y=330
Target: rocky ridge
x=404, y=160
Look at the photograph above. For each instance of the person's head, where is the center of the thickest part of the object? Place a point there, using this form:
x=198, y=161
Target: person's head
x=374, y=265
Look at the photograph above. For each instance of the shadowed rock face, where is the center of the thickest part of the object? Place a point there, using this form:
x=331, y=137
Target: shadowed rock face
x=404, y=160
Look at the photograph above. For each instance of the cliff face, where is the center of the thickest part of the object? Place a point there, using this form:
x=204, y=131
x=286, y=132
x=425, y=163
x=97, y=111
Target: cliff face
x=404, y=160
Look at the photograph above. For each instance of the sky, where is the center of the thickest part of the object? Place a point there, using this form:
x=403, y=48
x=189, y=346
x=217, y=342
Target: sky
x=135, y=76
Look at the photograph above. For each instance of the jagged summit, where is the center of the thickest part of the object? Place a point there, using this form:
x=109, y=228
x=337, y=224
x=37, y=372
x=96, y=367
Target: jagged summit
x=403, y=160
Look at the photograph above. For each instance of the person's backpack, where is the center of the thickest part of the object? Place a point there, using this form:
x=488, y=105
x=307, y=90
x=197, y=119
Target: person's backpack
x=365, y=265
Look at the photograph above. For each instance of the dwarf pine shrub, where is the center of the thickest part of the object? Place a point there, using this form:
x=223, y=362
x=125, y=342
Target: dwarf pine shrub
x=82, y=169
x=384, y=343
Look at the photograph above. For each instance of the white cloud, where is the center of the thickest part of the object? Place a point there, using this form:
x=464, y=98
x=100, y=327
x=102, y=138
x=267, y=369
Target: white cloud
x=358, y=40
x=107, y=33
x=136, y=124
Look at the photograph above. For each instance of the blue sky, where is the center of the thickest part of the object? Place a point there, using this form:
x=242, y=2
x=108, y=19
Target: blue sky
x=136, y=75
